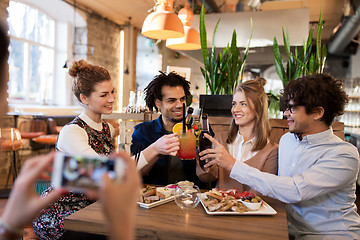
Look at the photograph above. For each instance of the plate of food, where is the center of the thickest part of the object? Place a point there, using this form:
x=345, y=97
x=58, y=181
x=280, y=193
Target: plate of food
x=221, y=202
x=154, y=196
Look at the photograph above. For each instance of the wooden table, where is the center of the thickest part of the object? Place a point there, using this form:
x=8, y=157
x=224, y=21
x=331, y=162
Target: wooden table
x=168, y=221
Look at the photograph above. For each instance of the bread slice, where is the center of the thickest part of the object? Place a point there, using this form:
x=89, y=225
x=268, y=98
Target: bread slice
x=214, y=195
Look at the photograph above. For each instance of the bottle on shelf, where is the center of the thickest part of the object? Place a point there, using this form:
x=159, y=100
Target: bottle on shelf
x=204, y=143
x=189, y=119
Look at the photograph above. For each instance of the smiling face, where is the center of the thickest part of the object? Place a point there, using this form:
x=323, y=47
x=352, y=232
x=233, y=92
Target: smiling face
x=298, y=120
x=171, y=105
x=242, y=110
x=101, y=100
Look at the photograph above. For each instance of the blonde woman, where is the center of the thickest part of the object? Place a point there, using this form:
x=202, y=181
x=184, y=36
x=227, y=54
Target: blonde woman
x=248, y=138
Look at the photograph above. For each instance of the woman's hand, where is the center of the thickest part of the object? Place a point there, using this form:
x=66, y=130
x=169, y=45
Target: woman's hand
x=119, y=200
x=218, y=154
x=23, y=204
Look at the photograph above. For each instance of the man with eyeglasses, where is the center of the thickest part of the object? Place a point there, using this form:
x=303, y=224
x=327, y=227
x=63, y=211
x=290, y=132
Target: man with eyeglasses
x=317, y=170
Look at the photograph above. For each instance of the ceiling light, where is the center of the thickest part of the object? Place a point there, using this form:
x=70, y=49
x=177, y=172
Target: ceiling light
x=163, y=23
x=191, y=40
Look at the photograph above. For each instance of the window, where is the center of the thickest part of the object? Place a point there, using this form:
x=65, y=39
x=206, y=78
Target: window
x=32, y=53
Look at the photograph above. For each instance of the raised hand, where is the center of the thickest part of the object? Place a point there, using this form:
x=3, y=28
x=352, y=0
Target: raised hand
x=119, y=200
x=167, y=145
x=218, y=154
x=24, y=205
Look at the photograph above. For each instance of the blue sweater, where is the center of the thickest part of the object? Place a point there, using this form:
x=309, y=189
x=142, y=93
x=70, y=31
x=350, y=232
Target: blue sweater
x=149, y=132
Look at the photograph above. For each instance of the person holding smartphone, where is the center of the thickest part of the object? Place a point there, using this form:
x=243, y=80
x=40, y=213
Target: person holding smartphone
x=86, y=135
x=23, y=205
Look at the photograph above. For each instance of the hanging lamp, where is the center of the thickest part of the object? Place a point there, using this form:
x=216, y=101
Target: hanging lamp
x=163, y=23
x=191, y=40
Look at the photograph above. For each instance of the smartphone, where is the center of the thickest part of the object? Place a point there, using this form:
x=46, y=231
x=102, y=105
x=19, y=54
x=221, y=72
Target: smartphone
x=83, y=173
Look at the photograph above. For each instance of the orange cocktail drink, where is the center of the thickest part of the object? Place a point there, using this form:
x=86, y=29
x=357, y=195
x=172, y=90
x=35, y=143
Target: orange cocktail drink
x=187, y=145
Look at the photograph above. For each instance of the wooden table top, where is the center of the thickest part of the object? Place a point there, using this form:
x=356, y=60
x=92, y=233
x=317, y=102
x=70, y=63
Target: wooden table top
x=168, y=221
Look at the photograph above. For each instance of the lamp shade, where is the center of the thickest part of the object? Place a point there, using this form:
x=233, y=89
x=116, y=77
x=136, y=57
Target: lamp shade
x=191, y=40
x=163, y=23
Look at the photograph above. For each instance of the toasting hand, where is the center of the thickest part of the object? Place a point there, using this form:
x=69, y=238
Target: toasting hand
x=167, y=145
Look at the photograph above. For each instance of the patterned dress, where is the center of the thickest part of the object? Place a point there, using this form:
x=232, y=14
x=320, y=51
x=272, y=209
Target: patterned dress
x=50, y=223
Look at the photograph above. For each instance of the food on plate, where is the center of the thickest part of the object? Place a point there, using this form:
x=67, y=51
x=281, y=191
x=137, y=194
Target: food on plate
x=214, y=195
x=252, y=202
x=221, y=200
x=251, y=199
x=185, y=183
x=252, y=206
x=151, y=194
x=167, y=192
x=149, y=191
x=217, y=203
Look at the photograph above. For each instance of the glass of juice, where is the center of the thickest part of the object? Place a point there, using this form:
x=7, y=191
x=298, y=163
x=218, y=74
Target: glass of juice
x=187, y=149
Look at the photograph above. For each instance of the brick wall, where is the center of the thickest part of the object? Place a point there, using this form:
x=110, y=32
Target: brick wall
x=3, y=12
x=105, y=37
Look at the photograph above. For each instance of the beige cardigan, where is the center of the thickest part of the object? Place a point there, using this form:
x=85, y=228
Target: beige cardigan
x=266, y=160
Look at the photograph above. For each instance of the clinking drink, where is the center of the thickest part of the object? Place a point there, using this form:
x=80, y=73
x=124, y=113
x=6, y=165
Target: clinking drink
x=204, y=143
x=187, y=149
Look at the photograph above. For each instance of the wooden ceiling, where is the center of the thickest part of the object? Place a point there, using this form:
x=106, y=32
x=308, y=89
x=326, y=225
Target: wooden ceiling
x=119, y=11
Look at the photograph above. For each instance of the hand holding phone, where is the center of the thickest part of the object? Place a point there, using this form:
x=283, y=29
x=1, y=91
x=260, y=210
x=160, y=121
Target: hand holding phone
x=83, y=173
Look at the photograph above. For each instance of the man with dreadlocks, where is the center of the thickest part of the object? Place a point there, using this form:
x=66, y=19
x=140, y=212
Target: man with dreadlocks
x=158, y=162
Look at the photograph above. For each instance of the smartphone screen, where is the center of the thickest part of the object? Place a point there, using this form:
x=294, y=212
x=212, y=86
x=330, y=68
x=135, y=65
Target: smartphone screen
x=80, y=173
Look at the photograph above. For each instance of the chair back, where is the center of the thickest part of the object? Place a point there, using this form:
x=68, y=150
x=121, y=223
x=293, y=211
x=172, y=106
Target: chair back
x=32, y=128
x=52, y=126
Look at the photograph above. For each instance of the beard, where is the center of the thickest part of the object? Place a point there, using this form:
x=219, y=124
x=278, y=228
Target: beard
x=176, y=120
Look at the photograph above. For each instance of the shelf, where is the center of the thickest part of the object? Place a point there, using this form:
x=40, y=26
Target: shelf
x=352, y=111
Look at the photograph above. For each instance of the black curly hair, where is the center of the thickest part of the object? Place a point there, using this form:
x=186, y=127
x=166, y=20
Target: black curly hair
x=318, y=90
x=153, y=90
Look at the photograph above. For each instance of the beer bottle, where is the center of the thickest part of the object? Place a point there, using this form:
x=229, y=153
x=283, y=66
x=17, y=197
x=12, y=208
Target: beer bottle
x=204, y=143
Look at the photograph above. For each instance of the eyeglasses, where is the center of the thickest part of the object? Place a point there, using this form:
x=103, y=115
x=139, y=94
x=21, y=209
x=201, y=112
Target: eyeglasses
x=291, y=108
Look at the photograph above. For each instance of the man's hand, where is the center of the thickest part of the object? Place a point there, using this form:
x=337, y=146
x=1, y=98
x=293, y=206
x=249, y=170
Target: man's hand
x=167, y=145
x=218, y=154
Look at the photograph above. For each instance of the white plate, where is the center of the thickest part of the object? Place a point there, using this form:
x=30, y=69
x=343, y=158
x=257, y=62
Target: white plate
x=265, y=209
x=157, y=203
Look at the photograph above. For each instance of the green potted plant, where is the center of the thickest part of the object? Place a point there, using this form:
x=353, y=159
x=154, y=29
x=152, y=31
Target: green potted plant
x=303, y=62
x=300, y=63
x=222, y=71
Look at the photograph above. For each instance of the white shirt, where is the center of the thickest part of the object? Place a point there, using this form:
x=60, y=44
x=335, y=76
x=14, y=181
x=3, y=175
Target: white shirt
x=241, y=150
x=317, y=180
x=73, y=139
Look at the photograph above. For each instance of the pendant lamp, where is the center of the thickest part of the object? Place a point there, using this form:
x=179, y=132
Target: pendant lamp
x=191, y=40
x=163, y=23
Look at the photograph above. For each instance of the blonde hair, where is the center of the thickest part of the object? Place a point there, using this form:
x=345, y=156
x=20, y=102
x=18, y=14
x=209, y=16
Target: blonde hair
x=254, y=92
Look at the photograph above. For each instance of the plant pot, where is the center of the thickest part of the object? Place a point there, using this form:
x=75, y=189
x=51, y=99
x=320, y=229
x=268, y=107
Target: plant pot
x=216, y=105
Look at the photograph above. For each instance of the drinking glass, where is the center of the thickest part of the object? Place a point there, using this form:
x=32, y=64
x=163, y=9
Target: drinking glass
x=187, y=197
x=187, y=146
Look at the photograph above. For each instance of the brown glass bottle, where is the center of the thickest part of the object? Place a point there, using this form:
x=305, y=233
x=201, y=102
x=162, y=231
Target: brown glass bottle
x=204, y=143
